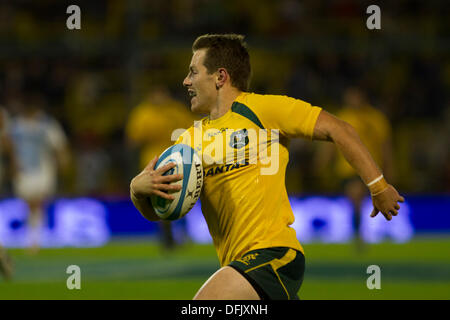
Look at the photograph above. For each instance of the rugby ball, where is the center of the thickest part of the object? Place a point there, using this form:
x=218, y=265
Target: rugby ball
x=189, y=164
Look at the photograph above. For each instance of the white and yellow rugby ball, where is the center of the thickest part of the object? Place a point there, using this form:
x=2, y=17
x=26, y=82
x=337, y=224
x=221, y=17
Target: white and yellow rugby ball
x=189, y=164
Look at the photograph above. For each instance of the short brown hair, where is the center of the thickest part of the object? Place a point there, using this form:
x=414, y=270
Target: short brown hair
x=227, y=51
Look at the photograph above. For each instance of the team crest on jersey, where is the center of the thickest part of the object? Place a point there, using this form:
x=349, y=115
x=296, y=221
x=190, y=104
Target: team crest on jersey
x=239, y=139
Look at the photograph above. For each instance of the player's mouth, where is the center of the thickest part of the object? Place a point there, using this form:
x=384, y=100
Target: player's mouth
x=192, y=93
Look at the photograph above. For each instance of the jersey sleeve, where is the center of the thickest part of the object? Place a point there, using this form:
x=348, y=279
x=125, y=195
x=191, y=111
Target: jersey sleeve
x=293, y=117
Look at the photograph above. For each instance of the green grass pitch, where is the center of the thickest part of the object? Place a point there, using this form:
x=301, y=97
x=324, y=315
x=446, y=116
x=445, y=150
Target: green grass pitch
x=138, y=269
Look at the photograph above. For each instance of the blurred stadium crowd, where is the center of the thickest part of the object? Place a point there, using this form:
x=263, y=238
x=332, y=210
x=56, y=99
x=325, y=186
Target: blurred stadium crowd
x=115, y=84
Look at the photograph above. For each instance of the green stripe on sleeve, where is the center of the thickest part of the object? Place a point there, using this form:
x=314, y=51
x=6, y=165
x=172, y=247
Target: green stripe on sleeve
x=245, y=111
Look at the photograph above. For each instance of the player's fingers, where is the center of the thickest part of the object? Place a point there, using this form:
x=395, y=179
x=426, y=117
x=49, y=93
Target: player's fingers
x=393, y=212
x=388, y=216
x=163, y=195
x=170, y=178
x=151, y=164
x=401, y=199
x=165, y=168
x=397, y=206
x=374, y=212
x=167, y=187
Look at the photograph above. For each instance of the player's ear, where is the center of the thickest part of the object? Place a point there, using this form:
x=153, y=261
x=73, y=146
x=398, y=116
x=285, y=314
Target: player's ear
x=221, y=77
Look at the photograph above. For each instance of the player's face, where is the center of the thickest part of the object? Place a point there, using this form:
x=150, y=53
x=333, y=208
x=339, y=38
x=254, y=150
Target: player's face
x=201, y=85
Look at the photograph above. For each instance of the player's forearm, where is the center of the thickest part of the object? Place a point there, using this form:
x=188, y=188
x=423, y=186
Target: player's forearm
x=350, y=145
x=143, y=206
x=347, y=141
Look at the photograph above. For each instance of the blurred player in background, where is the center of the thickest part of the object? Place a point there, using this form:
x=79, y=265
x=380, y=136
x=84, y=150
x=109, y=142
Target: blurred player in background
x=41, y=149
x=150, y=126
x=248, y=213
x=374, y=129
x=6, y=172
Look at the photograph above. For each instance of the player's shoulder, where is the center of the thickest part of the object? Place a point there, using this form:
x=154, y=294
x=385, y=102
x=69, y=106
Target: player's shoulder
x=268, y=106
x=48, y=122
x=376, y=115
x=256, y=99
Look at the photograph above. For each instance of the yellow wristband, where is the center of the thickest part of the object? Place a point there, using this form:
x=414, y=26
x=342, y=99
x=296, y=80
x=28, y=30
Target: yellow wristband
x=378, y=186
x=375, y=180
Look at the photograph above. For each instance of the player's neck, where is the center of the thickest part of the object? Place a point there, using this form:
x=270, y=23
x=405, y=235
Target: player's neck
x=225, y=100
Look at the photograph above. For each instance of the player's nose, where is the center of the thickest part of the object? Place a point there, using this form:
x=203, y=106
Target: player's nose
x=186, y=82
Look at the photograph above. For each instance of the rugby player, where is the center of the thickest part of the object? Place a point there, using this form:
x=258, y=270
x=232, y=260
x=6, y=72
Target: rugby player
x=247, y=212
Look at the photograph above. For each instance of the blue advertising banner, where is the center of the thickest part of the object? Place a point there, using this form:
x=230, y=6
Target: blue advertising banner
x=92, y=222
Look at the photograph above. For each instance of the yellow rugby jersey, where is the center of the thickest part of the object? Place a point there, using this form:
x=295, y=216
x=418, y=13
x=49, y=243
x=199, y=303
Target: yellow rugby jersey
x=244, y=198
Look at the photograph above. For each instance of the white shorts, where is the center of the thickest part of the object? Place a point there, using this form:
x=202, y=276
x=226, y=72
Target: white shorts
x=38, y=185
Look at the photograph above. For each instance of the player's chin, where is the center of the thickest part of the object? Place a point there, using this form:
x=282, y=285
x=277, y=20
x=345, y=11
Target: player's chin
x=193, y=104
x=196, y=107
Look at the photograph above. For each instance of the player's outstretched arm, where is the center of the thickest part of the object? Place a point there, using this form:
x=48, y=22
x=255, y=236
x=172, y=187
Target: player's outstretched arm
x=384, y=196
x=152, y=182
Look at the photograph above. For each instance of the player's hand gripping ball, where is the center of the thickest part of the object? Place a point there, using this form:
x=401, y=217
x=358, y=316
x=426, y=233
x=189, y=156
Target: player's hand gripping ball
x=189, y=164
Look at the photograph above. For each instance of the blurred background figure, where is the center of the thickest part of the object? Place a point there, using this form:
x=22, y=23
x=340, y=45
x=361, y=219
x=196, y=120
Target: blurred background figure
x=40, y=147
x=374, y=130
x=7, y=171
x=153, y=126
